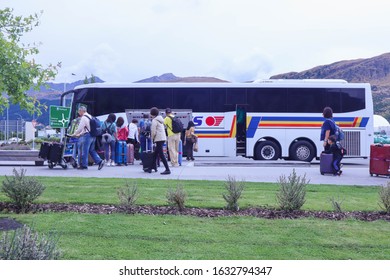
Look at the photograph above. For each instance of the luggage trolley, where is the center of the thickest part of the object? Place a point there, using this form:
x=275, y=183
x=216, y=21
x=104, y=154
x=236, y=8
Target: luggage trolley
x=61, y=153
x=53, y=153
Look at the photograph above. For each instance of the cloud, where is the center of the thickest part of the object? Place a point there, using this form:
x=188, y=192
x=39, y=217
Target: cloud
x=245, y=68
x=103, y=61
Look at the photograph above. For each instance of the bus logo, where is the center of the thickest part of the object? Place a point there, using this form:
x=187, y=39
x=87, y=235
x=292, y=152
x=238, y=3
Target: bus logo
x=210, y=120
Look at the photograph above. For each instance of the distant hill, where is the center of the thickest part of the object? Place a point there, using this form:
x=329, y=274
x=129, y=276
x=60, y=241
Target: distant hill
x=171, y=78
x=375, y=70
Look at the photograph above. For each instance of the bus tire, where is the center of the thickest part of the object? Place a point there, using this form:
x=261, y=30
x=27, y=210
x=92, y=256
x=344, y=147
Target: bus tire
x=267, y=150
x=302, y=151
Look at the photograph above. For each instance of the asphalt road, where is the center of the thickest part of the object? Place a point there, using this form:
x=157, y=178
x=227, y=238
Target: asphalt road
x=355, y=171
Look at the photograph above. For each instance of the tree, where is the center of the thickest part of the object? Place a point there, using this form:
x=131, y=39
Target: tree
x=18, y=70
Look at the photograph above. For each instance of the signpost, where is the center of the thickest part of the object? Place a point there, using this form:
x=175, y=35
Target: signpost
x=59, y=116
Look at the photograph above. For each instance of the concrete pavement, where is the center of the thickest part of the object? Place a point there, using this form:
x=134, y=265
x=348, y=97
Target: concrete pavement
x=355, y=171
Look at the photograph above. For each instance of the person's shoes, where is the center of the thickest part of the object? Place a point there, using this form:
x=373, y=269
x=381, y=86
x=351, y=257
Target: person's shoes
x=114, y=164
x=166, y=172
x=82, y=167
x=339, y=173
x=149, y=170
x=101, y=164
x=192, y=159
x=188, y=159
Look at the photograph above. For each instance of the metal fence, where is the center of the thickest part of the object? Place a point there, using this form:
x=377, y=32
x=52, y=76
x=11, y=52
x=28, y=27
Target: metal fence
x=12, y=130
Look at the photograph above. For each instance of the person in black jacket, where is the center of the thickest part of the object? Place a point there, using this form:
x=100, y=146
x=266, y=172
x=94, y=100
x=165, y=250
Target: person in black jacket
x=338, y=153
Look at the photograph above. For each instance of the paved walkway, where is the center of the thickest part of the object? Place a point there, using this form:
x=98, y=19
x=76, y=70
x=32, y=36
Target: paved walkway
x=355, y=172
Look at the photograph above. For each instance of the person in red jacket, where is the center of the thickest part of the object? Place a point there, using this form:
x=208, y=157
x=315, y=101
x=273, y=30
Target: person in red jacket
x=122, y=130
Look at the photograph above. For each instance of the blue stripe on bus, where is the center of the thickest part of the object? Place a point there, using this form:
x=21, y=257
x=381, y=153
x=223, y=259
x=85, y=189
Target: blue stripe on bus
x=252, y=127
x=364, y=122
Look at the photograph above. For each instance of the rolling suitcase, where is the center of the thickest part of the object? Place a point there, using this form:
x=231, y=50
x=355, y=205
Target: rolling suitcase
x=148, y=161
x=130, y=154
x=44, y=151
x=380, y=160
x=121, y=152
x=326, y=164
x=56, y=151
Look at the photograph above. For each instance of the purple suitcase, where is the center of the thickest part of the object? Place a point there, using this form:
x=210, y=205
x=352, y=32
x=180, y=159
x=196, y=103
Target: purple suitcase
x=326, y=164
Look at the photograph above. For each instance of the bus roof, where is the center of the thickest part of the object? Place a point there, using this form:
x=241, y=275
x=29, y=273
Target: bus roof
x=265, y=83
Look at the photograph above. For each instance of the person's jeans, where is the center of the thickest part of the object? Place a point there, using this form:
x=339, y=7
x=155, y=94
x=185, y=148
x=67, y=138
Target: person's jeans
x=107, y=148
x=87, y=146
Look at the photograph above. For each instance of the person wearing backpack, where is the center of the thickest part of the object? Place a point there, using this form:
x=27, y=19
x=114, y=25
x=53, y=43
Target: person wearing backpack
x=172, y=124
x=328, y=127
x=87, y=134
x=109, y=138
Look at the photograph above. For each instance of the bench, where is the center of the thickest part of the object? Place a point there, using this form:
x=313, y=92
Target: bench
x=21, y=155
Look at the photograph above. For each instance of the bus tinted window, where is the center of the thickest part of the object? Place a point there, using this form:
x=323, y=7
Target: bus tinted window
x=352, y=99
x=218, y=100
x=305, y=100
x=146, y=98
x=267, y=99
x=110, y=100
x=197, y=99
x=236, y=96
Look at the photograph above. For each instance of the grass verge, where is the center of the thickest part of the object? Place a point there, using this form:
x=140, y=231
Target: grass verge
x=104, y=237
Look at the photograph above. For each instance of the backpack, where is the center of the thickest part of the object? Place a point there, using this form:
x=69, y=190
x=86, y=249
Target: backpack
x=338, y=132
x=95, y=125
x=343, y=150
x=145, y=128
x=107, y=137
x=177, y=125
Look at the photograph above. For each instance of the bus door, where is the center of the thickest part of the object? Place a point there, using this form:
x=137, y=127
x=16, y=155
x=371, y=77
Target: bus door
x=241, y=129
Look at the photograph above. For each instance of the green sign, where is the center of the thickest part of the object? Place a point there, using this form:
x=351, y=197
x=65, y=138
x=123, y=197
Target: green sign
x=59, y=116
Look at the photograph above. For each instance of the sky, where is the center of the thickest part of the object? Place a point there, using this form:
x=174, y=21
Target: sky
x=123, y=41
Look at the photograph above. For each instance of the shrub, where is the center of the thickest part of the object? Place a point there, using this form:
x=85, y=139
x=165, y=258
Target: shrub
x=22, y=190
x=177, y=197
x=292, y=191
x=26, y=244
x=384, y=197
x=234, y=191
x=336, y=204
x=128, y=195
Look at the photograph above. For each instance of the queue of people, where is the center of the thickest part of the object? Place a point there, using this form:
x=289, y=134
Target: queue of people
x=148, y=134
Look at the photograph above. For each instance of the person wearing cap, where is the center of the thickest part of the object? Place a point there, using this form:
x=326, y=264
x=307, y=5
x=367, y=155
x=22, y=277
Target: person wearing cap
x=173, y=138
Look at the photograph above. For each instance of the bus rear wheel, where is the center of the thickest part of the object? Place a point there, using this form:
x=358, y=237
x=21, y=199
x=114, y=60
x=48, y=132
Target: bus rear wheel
x=267, y=150
x=302, y=151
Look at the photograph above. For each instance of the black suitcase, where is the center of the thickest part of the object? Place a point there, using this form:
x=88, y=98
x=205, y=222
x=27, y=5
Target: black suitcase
x=56, y=150
x=148, y=161
x=44, y=151
x=326, y=161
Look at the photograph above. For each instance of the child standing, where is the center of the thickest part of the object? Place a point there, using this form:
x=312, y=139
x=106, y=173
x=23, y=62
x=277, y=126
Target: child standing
x=337, y=150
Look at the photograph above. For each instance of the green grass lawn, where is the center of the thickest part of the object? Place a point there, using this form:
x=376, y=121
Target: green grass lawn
x=119, y=236
x=200, y=193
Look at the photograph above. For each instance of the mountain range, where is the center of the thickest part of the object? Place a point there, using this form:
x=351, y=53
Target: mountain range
x=375, y=70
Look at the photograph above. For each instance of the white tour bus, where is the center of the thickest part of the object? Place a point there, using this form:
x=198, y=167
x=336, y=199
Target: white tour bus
x=264, y=120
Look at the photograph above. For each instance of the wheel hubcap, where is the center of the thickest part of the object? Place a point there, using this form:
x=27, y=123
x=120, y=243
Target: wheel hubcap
x=303, y=152
x=267, y=152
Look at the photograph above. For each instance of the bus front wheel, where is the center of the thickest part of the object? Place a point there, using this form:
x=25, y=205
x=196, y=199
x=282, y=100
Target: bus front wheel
x=302, y=151
x=267, y=150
